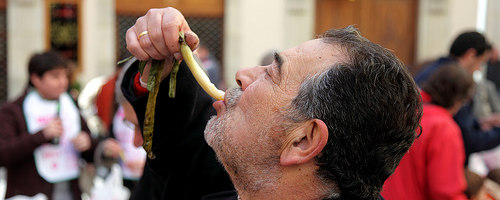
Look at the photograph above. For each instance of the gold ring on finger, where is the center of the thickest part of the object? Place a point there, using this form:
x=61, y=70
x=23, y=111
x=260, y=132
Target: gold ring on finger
x=142, y=34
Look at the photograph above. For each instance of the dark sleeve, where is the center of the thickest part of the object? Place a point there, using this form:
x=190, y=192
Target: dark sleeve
x=493, y=96
x=178, y=113
x=428, y=70
x=16, y=144
x=184, y=162
x=173, y=116
x=421, y=77
x=475, y=139
x=89, y=154
x=225, y=195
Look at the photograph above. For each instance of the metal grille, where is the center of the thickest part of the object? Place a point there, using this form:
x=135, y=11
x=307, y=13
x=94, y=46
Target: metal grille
x=124, y=22
x=209, y=31
x=3, y=56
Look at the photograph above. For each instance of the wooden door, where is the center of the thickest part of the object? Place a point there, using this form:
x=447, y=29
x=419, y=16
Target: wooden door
x=191, y=8
x=390, y=23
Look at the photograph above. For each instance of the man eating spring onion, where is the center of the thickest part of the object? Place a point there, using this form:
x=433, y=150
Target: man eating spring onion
x=328, y=119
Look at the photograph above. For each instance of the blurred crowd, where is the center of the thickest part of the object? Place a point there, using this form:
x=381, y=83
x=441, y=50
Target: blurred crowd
x=60, y=143
x=455, y=154
x=62, y=146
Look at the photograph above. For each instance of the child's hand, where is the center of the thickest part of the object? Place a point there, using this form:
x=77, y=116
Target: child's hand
x=81, y=142
x=111, y=148
x=136, y=167
x=53, y=129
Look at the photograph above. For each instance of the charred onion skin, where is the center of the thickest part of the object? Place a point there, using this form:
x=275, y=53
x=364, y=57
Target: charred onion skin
x=149, y=120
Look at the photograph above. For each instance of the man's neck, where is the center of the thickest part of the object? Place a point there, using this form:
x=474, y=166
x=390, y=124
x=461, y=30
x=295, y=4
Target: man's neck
x=282, y=193
x=295, y=183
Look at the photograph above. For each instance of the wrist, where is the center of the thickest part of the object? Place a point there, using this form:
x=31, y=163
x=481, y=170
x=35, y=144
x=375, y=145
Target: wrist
x=138, y=89
x=143, y=84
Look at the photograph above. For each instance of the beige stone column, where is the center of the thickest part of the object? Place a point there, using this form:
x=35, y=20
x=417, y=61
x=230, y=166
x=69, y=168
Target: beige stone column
x=25, y=36
x=99, y=39
x=27, y=33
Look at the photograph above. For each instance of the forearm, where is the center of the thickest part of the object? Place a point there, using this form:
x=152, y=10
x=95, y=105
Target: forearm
x=20, y=148
x=474, y=138
x=16, y=144
x=88, y=155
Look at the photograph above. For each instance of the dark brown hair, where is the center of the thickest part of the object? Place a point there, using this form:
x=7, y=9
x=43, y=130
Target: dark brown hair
x=448, y=85
x=46, y=61
x=371, y=106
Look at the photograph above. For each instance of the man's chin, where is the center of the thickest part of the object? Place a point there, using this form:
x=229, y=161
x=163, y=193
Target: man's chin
x=210, y=130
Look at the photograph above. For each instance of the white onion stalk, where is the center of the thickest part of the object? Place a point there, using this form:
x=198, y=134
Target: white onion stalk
x=198, y=73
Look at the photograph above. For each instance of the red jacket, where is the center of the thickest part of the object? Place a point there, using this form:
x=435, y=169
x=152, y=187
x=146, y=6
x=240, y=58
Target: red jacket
x=105, y=101
x=434, y=166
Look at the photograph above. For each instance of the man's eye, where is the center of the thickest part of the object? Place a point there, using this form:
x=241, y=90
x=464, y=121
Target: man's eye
x=267, y=72
x=268, y=75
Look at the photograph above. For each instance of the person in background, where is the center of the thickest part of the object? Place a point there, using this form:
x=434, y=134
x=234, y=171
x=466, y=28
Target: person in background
x=433, y=168
x=487, y=110
x=486, y=99
x=124, y=143
x=210, y=65
x=493, y=68
x=470, y=49
x=105, y=102
x=42, y=134
x=142, y=189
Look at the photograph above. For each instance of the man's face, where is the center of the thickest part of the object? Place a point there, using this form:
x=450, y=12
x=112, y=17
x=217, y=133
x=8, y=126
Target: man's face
x=52, y=83
x=248, y=131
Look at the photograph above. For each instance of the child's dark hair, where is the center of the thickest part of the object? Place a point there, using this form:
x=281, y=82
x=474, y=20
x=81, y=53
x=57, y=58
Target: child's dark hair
x=448, y=85
x=46, y=61
x=469, y=40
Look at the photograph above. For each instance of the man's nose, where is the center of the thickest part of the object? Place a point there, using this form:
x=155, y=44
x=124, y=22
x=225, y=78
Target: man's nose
x=246, y=76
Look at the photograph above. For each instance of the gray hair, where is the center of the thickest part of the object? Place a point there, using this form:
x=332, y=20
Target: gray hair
x=371, y=106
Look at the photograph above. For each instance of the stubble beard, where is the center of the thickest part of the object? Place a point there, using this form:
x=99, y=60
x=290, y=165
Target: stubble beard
x=250, y=171
x=215, y=126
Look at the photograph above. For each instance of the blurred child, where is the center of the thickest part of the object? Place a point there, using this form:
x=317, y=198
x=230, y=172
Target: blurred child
x=42, y=135
x=125, y=141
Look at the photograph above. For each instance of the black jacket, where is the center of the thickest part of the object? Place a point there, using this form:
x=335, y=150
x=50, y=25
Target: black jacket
x=185, y=166
x=232, y=195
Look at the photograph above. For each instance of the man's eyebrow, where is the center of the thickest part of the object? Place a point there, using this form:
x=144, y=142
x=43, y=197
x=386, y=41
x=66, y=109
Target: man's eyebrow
x=279, y=61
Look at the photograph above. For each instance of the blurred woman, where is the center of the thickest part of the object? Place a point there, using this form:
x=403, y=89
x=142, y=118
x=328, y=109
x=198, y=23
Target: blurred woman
x=434, y=166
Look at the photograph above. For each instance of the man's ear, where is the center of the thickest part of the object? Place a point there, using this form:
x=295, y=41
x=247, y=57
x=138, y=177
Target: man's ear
x=304, y=143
